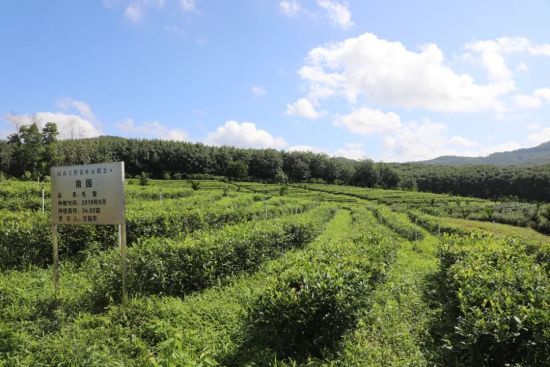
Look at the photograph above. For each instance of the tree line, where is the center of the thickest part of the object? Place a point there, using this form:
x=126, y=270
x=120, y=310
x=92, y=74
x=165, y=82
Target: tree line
x=31, y=151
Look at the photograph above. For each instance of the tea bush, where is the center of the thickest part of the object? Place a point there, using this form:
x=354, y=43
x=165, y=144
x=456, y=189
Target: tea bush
x=178, y=267
x=500, y=301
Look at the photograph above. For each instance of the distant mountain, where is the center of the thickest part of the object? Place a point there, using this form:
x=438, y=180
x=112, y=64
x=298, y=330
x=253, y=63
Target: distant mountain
x=521, y=157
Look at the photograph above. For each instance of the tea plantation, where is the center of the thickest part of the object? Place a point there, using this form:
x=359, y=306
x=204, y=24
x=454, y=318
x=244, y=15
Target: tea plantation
x=250, y=274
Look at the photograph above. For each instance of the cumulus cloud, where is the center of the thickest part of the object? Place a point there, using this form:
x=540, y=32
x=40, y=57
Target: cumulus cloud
x=134, y=12
x=305, y=148
x=244, y=135
x=150, y=130
x=541, y=136
x=338, y=13
x=258, y=90
x=289, y=7
x=82, y=107
x=70, y=126
x=187, y=5
x=522, y=66
x=492, y=54
x=302, y=108
x=411, y=141
x=535, y=100
x=388, y=73
x=367, y=121
x=351, y=151
x=427, y=140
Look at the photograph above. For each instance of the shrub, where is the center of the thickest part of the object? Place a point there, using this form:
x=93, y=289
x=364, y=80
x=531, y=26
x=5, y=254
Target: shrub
x=499, y=296
x=162, y=266
x=143, y=179
x=195, y=184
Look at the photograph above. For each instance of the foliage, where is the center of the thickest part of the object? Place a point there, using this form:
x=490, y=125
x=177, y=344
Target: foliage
x=195, y=184
x=175, y=267
x=214, y=283
x=399, y=223
x=499, y=298
x=307, y=307
x=143, y=179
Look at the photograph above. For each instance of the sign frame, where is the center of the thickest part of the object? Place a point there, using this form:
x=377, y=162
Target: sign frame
x=83, y=204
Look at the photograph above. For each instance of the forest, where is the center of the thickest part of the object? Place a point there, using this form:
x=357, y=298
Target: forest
x=30, y=152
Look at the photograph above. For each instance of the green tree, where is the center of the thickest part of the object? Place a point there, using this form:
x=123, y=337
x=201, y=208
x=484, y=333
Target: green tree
x=366, y=174
x=388, y=177
x=237, y=170
x=29, y=148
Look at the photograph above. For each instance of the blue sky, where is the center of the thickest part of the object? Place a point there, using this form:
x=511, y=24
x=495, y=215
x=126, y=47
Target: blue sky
x=388, y=80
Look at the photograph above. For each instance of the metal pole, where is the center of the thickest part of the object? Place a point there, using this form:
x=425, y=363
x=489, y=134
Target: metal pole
x=55, y=250
x=123, y=262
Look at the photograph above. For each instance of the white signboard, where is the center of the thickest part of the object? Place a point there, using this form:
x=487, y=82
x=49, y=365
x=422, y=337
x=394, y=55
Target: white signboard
x=88, y=194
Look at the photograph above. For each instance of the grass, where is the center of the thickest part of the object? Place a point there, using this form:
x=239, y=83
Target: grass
x=500, y=230
x=393, y=330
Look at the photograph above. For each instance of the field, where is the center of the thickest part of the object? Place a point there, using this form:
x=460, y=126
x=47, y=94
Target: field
x=250, y=274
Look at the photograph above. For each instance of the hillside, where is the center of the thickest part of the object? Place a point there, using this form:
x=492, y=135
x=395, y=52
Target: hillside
x=529, y=156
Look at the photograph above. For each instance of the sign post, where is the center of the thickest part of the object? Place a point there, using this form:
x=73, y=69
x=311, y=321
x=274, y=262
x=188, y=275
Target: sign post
x=89, y=194
x=55, y=261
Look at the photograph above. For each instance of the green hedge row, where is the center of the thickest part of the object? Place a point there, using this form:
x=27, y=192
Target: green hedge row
x=305, y=309
x=435, y=225
x=214, y=327
x=179, y=267
x=499, y=303
x=25, y=237
x=399, y=223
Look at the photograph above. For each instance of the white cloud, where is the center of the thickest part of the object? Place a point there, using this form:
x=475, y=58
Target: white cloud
x=536, y=100
x=416, y=141
x=411, y=141
x=289, y=7
x=134, y=12
x=492, y=54
x=305, y=148
x=534, y=126
x=427, y=140
x=460, y=141
x=351, y=151
x=387, y=73
x=303, y=108
x=70, y=126
x=151, y=130
x=486, y=150
x=338, y=12
x=258, y=90
x=187, y=5
x=541, y=136
x=244, y=135
x=82, y=107
x=522, y=66
x=366, y=121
